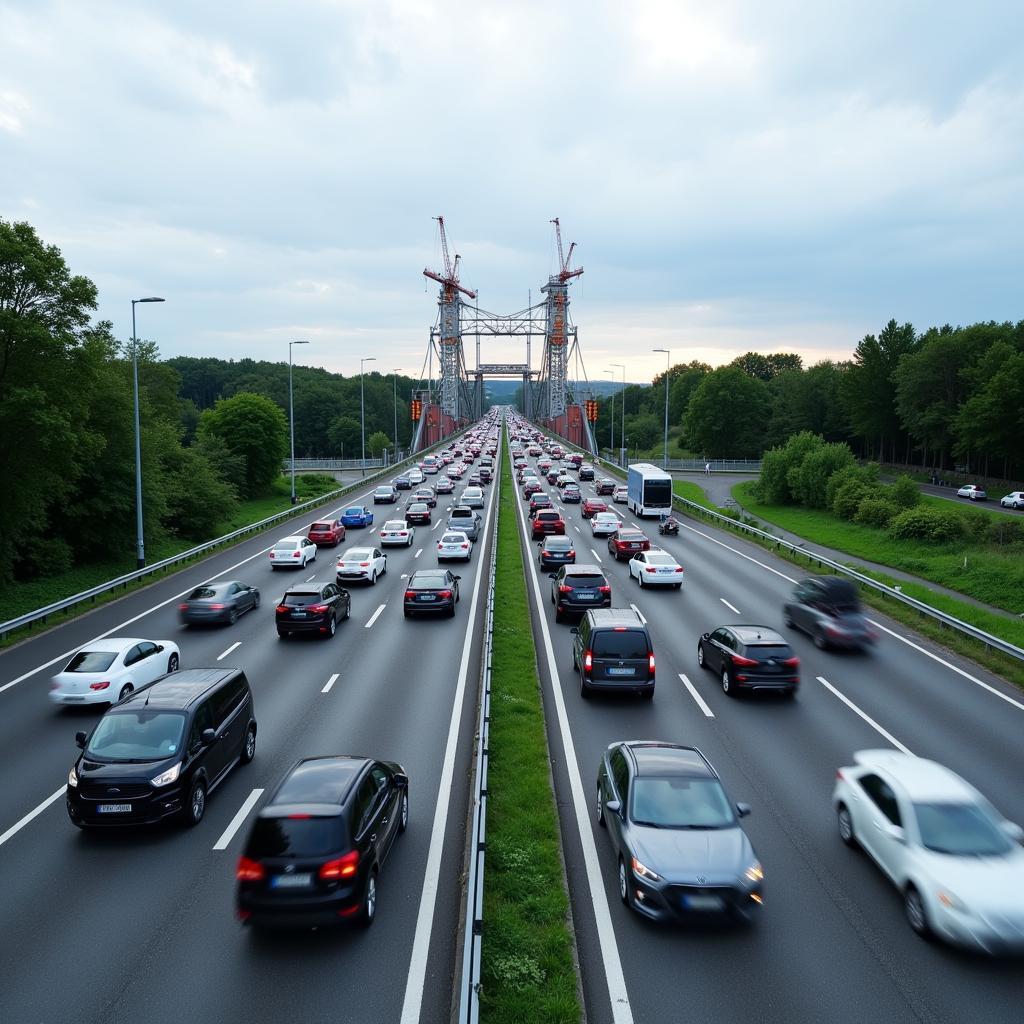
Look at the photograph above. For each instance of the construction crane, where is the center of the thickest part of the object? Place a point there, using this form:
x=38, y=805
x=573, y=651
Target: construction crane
x=450, y=278
x=564, y=273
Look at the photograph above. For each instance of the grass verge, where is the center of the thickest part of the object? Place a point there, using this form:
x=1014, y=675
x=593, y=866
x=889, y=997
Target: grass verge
x=527, y=952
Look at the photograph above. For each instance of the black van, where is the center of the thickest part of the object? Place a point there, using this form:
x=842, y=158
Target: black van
x=612, y=651
x=158, y=753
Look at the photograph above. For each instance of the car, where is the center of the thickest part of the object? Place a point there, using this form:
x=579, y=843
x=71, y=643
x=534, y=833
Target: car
x=485, y=475
x=680, y=852
x=472, y=497
x=591, y=507
x=417, y=512
x=431, y=590
x=161, y=751
x=571, y=494
x=627, y=542
x=828, y=610
x=749, y=657
x=476, y=480
x=553, y=476
x=1015, y=499
x=361, y=564
x=544, y=465
x=955, y=860
x=385, y=495
x=397, y=532
x=357, y=516
x=519, y=463
x=314, y=854
x=464, y=520
x=292, y=552
x=444, y=485
x=577, y=588
x=586, y=471
x=424, y=494
x=454, y=544
x=312, y=608
x=416, y=477
x=563, y=480
x=612, y=650
x=544, y=521
x=604, y=524
x=556, y=550
x=656, y=568
x=403, y=483
x=972, y=491
x=219, y=602
x=326, y=532
x=539, y=500
x=620, y=495
x=604, y=486
x=108, y=670
x=531, y=487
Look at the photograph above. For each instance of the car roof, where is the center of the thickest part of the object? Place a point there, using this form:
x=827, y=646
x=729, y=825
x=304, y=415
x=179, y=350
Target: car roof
x=921, y=779
x=179, y=689
x=321, y=782
x=616, y=618
x=583, y=569
x=398, y=524
x=655, y=758
x=113, y=643
x=754, y=635
x=429, y=573
x=294, y=537
x=462, y=508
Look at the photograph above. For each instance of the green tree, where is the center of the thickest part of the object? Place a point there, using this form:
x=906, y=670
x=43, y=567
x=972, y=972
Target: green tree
x=989, y=420
x=376, y=443
x=773, y=485
x=254, y=428
x=344, y=433
x=808, y=480
x=726, y=413
x=766, y=367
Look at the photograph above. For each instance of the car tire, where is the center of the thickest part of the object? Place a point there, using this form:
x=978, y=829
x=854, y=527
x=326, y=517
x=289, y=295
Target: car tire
x=727, y=688
x=195, y=808
x=451, y=613
x=173, y=662
x=256, y=602
x=332, y=626
x=232, y=616
x=273, y=568
x=348, y=610
x=917, y=917
x=407, y=613
x=640, y=580
x=575, y=663
x=648, y=694
x=373, y=579
x=403, y=812
x=600, y=808
x=249, y=745
x=701, y=661
x=678, y=586
x=819, y=641
x=584, y=687
x=787, y=620
x=125, y=690
x=368, y=908
x=623, y=882
x=844, y=822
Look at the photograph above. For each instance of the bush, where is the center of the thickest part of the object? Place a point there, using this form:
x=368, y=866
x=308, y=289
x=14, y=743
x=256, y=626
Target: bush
x=43, y=557
x=846, y=500
x=875, y=511
x=1009, y=532
x=867, y=475
x=904, y=493
x=933, y=525
x=808, y=480
x=773, y=483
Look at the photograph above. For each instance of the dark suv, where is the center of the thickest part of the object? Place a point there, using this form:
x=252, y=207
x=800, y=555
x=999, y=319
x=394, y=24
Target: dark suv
x=612, y=650
x=317, y=847
x=159, y=752
x=828, y=609
x=577, y=588
x=750, y=658
x=312, y=608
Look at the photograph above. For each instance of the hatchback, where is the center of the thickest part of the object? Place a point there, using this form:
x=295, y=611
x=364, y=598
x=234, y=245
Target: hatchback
x=544, y=521
x=312, y=608
x=218, y=602
x=424, y=494
x=472, y=497
x=556, y=551
x=749, y=658
x=357, y=515
x=620, y=495
x=604, y=524
x=972, y=491
x=327, y=532
x=612, y=650
x=586, y=472
x=431, y=590
x=444, y=485
x=592, y=507
x=1015, y=499
x=828, y=609
x=576, y=588
x=540, y=500
x=604, y=486
x=386, y=495
x=531, y=487
x=626, y=543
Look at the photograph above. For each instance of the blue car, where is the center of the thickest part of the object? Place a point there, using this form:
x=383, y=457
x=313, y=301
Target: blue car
x=357, y=515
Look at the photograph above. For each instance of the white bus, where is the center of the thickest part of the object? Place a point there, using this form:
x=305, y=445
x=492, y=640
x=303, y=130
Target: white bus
x=649, y=490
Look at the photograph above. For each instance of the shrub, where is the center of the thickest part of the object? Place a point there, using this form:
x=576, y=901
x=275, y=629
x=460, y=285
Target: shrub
x=773, y=483
x=846, y=499
x=904, y=493
x=936, y=526
x=1010, y=531
x=875, y=511
x=808, y=480
x=867, y=475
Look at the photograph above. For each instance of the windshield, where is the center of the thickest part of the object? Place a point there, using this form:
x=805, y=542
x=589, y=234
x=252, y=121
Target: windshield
x=137, y=736
x=427, y=582
x=202, y=593
x=285, y=545
x=91, y=661
x=658, y=493
x=558, y=544
x=395, y=525
x=321, y=527
x=301, y=599
x=964, y=830
x=614, y=643
x=354, y=511
x=296, y=837
x=681, y=803
x=656, y=559
x=453, y=538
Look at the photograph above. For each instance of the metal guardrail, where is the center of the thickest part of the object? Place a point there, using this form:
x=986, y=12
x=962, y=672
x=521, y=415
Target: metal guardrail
x=692, y=465
x=340, y=465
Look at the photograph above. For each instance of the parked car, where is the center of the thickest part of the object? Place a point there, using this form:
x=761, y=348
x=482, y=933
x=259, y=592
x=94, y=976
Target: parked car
x=292, y=552
x=465, y=520
x=544, y=521
x=749, y=658
x=312, y=608
x=604, y=486
x=556, y=550
x=1015, y=499
x=454, y=544
x=357, y=515
x=604, y=524
x=431, y=591
x=612, y=650
x=591, y=507
x=656, y=568
x=108, y=670
x=364, y=564
x=385, y=495
x=397, y=532
x=972, y=491
x=418, y=513
x=326, y=532
x=576, y=588
x=218, y=602
x=828, y=610
x=626, y=542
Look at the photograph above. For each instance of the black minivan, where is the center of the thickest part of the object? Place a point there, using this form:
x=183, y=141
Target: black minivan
x=161, y=751
x=612, y=651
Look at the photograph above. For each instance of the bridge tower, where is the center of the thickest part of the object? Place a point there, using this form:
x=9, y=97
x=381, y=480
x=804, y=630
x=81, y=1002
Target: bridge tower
x=555, y=360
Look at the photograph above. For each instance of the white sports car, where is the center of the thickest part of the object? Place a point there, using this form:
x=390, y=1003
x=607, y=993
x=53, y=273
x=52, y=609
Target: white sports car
x=107, y=670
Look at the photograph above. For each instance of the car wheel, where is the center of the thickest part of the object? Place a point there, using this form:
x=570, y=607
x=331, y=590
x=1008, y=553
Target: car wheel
x=700, y=655
x=678, y=586
x=726, y=683
x=648, y=694
x=232, y=616
x=451, y=611
x=373, y=579
x=787, y=620
x=403, y=813
x=623, y=882
x=917, y=918
x=844, y=821
x=173, y=662
x=273, y=568
x=600, y=808
x=249, y=746
x=407, y=613
x=196, y=806
x=584, y=687
x=368, y=911
x=332, y=626
x=125, y=690
x=256, y=601
x=640, y=580
x=819, y=641
x=575, y=663
x=348, y=610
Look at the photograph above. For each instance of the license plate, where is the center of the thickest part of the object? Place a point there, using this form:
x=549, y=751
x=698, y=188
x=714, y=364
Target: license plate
x=428, y=597
x=114, y=809
x=298, y=615
x=622, y=671
x=702, y=902
x=585, y=595
x=300, y=881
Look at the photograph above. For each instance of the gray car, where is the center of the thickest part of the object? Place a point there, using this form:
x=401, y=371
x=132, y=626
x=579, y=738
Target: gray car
x=679, y=849
x=828, y=610
x=465, y=520
x=472, y=497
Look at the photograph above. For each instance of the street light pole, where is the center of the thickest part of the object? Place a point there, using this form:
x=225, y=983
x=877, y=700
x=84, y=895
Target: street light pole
x=622, y=431
x=396, y=370
x=611, y=444
x=291, y=411
x=668, y=360
x=140, y=545
x=362, y=409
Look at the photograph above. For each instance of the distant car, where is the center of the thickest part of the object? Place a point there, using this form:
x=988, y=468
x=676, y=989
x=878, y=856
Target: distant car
x=397, y=532
x=403, y=483
x=531, y=487
x=444, y=485
x=385, y=495
x=1015, y=499
x=317, y=847
x=476, y=479
x=604, y=524
x=563, y=480
x=656, y=568
x=361, y=564
x=472, y=497
x=539, y=500
x=571, y=494
x=627, y=542
x=604, y=486
x=312, y=608
x=418, y=513
x=485, y=475
x=293, y=552
x=592, y=507
x=621, y=495
x=553, y=476
x=545, y=521
x=416, y=477
x=454, y=544
x=219, y=602
x=586, y=471
x=953, y=857
x=972, y=491
x=828, y=610
x=575, y=588
x=431, y=590
x=465, y=520
x=424, y=494
x=357, y=515
x=556, y=550
x=327, y=532
x=680, y=852
x=750, y=658
x=106, y=671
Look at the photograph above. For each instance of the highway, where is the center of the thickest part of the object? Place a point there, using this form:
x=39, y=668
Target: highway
x=140, y=925
x=833, y=943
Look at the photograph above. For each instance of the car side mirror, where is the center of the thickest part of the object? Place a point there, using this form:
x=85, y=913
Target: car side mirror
x=705, y=636
x=743, y=810
x=401, y=781
x=80, y=738
x=613, y=807
x=207, y=736
x=159, y=647
x=458, y=577
x=552, y=575
x=1012, y=831
x=575, y=629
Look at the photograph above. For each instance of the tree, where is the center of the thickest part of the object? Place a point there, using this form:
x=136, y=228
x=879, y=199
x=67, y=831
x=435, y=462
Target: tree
x=766, y=367
x=989, y=421
x=344, y=433
x=773, y=485
x=376, y=443
x=725, y=416
x=253, y=428
x=684, y=382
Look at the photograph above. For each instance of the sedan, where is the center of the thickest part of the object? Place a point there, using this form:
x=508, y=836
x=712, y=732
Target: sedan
x=454, y=544
x=539, y=500
x=680, y=852
x=972, y=491
x=1015, y=499
x=218, y=602
x=531, y=487
x=312, y=608
x=418, y=512
x=293, y=552
x=656, y=569
x=396, y=532
x=604, y=486
x=592, y=507
x=385, y=495
x=357, y=515
x=444, y=485
x=603, y=524
x=403, y=483
x=749, y=658
x=556, y=551
x=424, y=494
x=621, y=495
x=327, y=532
x=472, y=497
x=107, y=670
x=627, y=543
x=362, y=564
x=586, y=471
x=828, y=610
x=431, y=590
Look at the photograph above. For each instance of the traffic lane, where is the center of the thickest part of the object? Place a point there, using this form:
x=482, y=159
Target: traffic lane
x=949, y=494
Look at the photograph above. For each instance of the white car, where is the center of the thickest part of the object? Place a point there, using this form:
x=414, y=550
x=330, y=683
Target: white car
x=107, y=670
x=656, y=568
x=361, y=564
x=416, y=477
x=396, y=532
x=972, y=491
x=604, y=524
x=957, y=862
x=292, y=551
x=1015, y=499
x=454, y=544
x=620, y=495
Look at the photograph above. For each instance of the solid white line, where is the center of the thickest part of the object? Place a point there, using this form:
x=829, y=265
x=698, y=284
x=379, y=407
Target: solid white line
x=701, y=703
x=236, y=822
x=418, y=553
x=330, y=683
x=731, y=607
x=35, y=812
x=221, y=657
x=863, y=714
x=597, y=556
x=373, y=617
x=735, y=551
x=640, y=613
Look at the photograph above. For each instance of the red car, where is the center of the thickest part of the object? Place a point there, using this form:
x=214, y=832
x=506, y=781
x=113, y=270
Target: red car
x=532, y=486
x=327, y=532
x=626, y=543
x=591, y=507
x=546, y=521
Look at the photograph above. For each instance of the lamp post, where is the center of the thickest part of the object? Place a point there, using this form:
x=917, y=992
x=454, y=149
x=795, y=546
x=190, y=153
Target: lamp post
x=291, y=411
x=396, y=370
x=622, y=431
x=668, y=360
x=362, y=409
x=611, y=443
x=140, y=545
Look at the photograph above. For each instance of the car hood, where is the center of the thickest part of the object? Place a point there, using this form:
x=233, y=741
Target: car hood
x=100, y=771
x=981, y=883
x=683, y=855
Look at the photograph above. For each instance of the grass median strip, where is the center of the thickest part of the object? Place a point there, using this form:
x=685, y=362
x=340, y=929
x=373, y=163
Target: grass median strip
x=528, y=967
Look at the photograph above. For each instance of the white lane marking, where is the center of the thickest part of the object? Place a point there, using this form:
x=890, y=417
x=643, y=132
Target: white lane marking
x=221, y=657
x=639, y=613
x=621, y=1011
x=236, y=822
x=34, y=813
x=863, y=714
x=412, y=1004
x=731, y=607
x=701, y=703
x=330, y=682
x=436, y=525
x=372, y=529
x=311, y=578
x=575, y=527
x=597, y=556
x=375, y=615
x=418, y=553
x=404, y=576
x=735, y=551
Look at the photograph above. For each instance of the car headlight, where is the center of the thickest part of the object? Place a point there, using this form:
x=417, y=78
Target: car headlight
x=73, y=777
x=167, y=777
x=948, y=899
x=644, y=871
x=754, y=873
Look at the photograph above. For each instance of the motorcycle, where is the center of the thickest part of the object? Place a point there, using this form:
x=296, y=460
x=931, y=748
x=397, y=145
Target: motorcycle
x=668, y=527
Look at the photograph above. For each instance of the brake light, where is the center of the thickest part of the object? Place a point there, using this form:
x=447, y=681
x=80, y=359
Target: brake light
x=738, y=659
x=604, y=590
x=300, y=817
x=679, y=568
x=463, y=546
x=651, y=568
x=249, y=870
x=403, y=533
x=182, y=607
x=563, y=589
x=572, y=552
x=650, y=663
x=343, y=867
x=218, y=607
x=318, y=608
x=410, y=594
x=297, y=554
x=545, y=554
x=363, y=565
x=281, y=608
x=791, y=662
x=444, y=593
x=99, y=686
x=588, y=660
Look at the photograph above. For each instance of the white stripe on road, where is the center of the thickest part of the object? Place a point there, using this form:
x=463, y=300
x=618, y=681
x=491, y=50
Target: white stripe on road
x=640, y=613
x=596, y=555
x=575, y=527
x=311, y=578
x=374, y=616
x=731, y=607
x=418, y=553
x=863, y=714
x=34, y=813
x=701, y=703
x=221, y=657
x=236, y=822
x=436, y=525
x=330, y=682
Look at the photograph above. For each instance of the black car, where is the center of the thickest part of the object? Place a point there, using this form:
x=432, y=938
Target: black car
x=556, y=551
x=159, y=752
x=431, y=590
x=750, y=658
x=316, y=849
x=312, y=608
x=575, y=588
x=586, y=472
x=403, y=483
x=218, y=602
x=828, y=609
x=485, y=474
x=680, y=852
x=612, y=651
x=417, y=513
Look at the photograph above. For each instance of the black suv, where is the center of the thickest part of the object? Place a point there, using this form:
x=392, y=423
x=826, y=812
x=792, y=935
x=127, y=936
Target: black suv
x=576, y=588
x=828, y=609
x=316, y=848
x=312, y=608
x=612, y=651
x=159, y=752
x=750, y=658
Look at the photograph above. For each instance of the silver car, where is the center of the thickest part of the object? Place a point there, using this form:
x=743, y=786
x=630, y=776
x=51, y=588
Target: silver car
x=464, y=520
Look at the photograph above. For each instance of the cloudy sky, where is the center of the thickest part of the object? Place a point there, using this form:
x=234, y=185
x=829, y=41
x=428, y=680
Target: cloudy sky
x=738, y=175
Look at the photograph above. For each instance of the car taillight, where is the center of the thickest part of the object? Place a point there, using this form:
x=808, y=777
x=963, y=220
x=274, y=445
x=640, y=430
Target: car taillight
x=249, y=870
x=793, y=662
x=403, y=533
x=182, y=607
x=318, y=608
x=409, y=594
x=545, y=554
x=604, y=590
x=738, y=659
x=297, y=554
x=679, y=568
x=588, y=660
x=99, y=686
x=218, y=607
x=444, y=593
x=281, y=608
x=563, y=589
x=571, y=553
x=650, y=568
x=363, y=565
x=343, y=867
x=650, y=663
x=464, y=546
